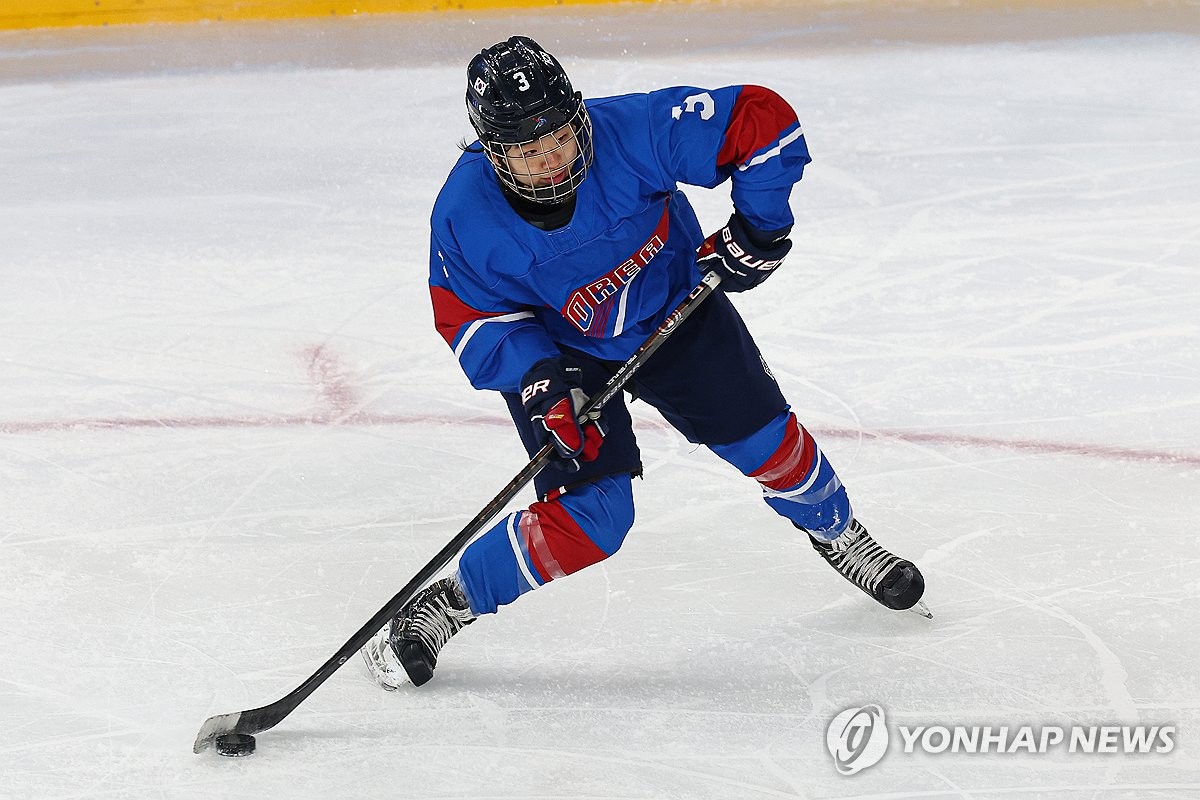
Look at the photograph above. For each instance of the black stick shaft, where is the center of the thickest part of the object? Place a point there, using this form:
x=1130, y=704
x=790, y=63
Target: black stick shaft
x=265, y=717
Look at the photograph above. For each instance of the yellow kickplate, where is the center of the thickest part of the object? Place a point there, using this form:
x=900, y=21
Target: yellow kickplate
x=66, y=13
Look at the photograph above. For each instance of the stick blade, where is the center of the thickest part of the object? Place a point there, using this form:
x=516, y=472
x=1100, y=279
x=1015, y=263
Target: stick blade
x=214, y=727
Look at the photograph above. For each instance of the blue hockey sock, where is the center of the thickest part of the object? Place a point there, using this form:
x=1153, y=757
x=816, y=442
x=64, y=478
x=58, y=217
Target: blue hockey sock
x=546, y=541
x=798, y=481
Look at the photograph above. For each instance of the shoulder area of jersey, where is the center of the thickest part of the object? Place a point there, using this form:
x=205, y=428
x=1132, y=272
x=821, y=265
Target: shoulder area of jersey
x=471, y=175
x=615, y=102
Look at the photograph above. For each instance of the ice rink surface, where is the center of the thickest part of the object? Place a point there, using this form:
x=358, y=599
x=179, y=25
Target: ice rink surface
x=229, y=432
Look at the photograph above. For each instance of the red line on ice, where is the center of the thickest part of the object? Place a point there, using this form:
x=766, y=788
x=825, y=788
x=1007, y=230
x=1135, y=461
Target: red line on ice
x=1107, y=452
x=339, y=399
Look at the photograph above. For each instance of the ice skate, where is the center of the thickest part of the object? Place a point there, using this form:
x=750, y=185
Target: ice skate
x=891, y=580
x=406, y=650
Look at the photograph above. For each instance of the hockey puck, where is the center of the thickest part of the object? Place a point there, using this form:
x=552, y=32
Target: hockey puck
x=235, y=744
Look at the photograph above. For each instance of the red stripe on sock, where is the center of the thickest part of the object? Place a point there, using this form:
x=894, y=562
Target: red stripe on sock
x=562, y=546
x=791, y=462
x=543, y=560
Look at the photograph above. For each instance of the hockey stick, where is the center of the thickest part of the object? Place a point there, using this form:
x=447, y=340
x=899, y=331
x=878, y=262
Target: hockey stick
x=265, y=717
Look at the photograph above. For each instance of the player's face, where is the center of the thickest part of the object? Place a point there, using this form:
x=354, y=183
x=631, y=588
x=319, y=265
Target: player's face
x=546, y=161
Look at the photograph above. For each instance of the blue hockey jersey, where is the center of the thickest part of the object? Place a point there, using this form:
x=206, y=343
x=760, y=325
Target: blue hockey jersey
x=506, y=293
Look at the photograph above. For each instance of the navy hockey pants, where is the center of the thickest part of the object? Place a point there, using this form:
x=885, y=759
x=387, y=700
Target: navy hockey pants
x=711, y=384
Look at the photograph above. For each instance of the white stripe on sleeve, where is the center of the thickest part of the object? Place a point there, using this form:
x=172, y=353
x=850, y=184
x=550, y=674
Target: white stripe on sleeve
x=774, y=151
x=477, y=324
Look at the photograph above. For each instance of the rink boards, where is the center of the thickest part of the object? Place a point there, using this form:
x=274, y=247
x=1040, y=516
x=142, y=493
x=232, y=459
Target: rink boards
x=69, y=13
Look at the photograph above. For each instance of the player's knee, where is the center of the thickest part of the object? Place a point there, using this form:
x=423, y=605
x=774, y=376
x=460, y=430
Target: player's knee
x=604, y=510
x=579, y=528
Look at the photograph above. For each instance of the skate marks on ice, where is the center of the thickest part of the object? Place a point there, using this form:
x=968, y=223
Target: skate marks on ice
x=230, y=433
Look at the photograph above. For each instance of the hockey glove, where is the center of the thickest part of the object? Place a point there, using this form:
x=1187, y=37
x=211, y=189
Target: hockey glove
x=551, y=394
x=742, y=255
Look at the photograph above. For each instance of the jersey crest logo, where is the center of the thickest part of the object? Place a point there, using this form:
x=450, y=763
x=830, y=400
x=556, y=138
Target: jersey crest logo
x=590, y=306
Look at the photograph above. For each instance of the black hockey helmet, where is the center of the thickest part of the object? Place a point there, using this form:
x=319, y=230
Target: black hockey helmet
x=517, y=95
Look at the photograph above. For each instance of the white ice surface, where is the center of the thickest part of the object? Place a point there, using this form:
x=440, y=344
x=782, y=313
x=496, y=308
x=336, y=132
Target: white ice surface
x=229, y=434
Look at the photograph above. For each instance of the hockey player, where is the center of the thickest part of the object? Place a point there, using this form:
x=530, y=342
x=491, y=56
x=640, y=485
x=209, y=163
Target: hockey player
x=560, y=241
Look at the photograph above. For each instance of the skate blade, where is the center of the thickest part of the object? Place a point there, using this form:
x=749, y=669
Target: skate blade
x=379, y=673
x=922, y=609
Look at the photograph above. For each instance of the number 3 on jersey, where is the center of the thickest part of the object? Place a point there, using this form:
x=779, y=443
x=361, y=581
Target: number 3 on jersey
x=705, y=102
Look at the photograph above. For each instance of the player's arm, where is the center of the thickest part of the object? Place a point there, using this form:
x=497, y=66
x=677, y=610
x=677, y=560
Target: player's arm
x=764, y=152
x=747, y=133
x=750, y=135
x=494, y=340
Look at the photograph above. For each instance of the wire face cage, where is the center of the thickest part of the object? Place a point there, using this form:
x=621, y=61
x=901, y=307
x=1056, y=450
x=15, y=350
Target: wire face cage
x=547, y=169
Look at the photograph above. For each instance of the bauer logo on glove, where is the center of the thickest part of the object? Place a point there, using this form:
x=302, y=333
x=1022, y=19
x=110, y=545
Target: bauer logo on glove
x=534, y=388
x=743, y=255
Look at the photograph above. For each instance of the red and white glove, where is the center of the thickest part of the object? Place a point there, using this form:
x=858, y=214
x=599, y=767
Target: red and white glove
x=552, y=396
